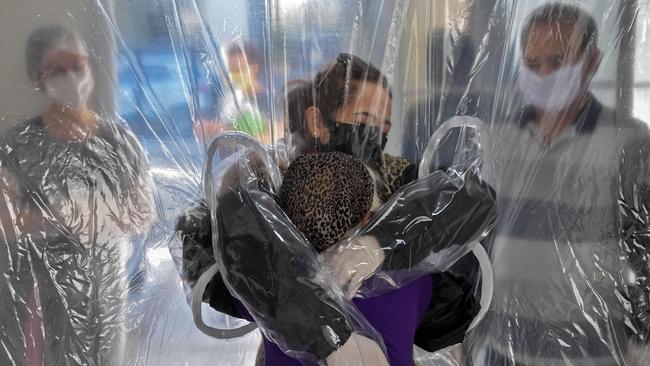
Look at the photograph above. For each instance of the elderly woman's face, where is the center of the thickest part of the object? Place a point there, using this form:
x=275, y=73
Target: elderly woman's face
x=66, y=78
x=61, y=62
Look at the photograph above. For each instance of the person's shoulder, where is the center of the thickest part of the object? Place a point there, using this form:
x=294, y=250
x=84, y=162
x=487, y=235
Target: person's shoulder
x=623, y=123
x=395, y=165
x=114, y=126
x=118, y=130
x=395, y=160
x=117, y=134
x=28, y=126
x=608, y=116
x=638, y=134
x=398, y=171
x=22, y=145
x=639, y=128
x=637, y=125
x=24, y=134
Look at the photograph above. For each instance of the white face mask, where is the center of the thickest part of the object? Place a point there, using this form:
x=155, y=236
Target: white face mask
x=553, y=92
x=71, y=89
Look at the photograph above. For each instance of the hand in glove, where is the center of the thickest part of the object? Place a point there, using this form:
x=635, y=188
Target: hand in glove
x=352, y=261
x=358, y=351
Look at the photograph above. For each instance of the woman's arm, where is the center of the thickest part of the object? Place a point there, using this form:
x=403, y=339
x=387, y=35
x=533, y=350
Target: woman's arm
x=431, y=215
x=434, y=215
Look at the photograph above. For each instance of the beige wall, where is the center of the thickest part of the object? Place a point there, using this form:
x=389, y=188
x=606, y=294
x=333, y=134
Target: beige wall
x=18, y=18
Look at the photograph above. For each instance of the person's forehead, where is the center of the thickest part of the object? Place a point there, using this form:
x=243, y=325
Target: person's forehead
x=373, y=94
x=63, y=56
x=70, y=46
x=559, y=36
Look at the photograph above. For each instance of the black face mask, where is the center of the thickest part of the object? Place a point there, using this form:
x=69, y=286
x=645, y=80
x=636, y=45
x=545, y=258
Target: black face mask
x=359, y=140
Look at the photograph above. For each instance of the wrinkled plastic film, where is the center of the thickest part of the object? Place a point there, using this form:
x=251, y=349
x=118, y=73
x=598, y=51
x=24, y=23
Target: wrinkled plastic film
x=550, y=220
x=245, y=275
x=107, y=223
x=295, y=283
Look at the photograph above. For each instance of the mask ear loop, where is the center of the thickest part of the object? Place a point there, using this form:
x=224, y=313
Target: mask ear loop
x=237, y=138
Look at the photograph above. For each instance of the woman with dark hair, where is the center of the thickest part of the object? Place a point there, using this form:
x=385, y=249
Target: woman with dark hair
x=343, y=111
x=346, y=108
x=79, y=190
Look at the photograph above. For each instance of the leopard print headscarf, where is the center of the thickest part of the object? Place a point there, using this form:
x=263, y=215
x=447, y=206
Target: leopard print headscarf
x=326, y=195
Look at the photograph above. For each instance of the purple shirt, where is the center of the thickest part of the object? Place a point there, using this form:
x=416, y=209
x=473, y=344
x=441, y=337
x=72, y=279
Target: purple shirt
x=396, y=315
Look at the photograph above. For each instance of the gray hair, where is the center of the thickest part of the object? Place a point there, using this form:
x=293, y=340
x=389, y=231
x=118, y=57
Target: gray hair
x=558, y=12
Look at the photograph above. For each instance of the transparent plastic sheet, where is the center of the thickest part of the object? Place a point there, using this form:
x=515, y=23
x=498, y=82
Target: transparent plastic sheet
x=569, y=152
x=569, y=250
x=269, y=266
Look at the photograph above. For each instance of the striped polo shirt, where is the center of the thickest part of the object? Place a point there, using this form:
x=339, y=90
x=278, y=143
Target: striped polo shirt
x=556, y=255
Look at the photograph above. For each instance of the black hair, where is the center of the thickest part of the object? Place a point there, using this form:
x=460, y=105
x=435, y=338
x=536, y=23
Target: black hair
x=329, y=91
x=558, y=12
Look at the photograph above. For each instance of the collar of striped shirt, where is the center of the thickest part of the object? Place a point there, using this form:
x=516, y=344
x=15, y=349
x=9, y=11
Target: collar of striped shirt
x=585, y=123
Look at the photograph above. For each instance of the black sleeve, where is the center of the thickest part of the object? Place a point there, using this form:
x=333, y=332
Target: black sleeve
x=195, y=229
x=450, y=313
x=276, y=278
x=430, y=215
